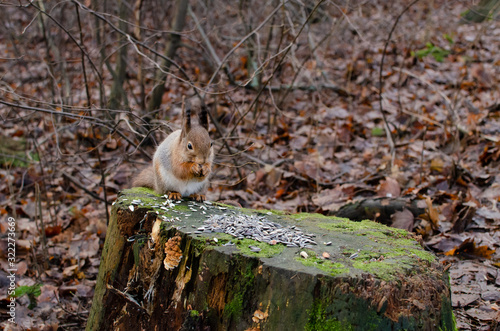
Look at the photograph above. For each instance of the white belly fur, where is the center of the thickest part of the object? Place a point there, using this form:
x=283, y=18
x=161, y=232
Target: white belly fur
x=184, y=187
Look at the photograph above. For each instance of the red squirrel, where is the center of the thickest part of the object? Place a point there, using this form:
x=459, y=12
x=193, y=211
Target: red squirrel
x=182, y=162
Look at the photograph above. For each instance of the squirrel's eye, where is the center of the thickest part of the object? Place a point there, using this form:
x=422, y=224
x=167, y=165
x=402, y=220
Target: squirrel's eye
x=190, y=146
x=211, y=144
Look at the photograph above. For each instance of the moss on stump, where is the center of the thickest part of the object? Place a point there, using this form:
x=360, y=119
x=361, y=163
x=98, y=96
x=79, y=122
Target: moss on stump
x=156, y=273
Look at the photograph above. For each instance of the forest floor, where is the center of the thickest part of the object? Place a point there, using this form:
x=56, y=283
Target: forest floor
x=313, y=149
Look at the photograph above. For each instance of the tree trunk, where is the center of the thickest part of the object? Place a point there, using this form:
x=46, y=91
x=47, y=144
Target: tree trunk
x=175, y=38
x=486, y=9
x=118, y=97
x=171, y=271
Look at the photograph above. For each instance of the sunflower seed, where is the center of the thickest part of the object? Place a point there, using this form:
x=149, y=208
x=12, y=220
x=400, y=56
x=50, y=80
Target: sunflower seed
x=258, y=228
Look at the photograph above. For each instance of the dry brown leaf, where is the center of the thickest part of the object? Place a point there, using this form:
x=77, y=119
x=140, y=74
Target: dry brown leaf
x=481, y=75
x=389, y=188
x=437, y=164
x=273, y=177
x=330, y=199
x=432, y=213
x=468, y=247
x=51, y=231
x=48, y=293
x=402, y=220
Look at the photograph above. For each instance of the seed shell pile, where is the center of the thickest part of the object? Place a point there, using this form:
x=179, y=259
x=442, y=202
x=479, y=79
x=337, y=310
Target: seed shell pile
x=241, y=226
x=258, y=228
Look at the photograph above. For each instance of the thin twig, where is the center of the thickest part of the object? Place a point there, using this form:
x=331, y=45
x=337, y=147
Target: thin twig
x=78, y=183
x=264, y=86
x=388, y=132
x=54, y=112
x=89, y=102
x=72, y=38
x=42, y=226
x=243, y=40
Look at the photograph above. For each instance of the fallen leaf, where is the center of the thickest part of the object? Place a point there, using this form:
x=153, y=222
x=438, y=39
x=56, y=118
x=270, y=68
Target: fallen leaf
x=468, y=247
x=111, y=143
x=432, y=213
x=84, y=291
x=480, y=314
x=389, y=188
x=51, y=231
x=403, y=220
x=437, y=165
x=48, y=293
x=330, y=199
x=83, y=247
x=70, y=271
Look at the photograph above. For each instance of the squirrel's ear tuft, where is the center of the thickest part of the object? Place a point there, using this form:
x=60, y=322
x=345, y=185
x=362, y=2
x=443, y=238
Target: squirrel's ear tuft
x=186, y=107
x=203, y=116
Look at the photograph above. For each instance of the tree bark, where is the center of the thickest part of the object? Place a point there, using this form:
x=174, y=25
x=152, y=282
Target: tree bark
x=173, y=44
x=159, y=271
x=486, y=9
x=118, y=97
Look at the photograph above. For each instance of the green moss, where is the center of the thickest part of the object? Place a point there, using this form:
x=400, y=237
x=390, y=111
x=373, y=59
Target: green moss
x=198, y=246
x=332, y=268
x=386, y=270
x=194, y=313
x=234, y=308
x=266, y=250
x=139, y=190
x=136, y=248
x=268, y=212
x=301, y=216
x=244, y=282
x=388, y=263
x=419, y=253
x=164, y=226
x=362, y=227
x=318, y=321
x=389, y=243
x=393, y=252
x=223, y=238
x=242, y=245
x=149, y=199
x=398, y=248
x=448, y=319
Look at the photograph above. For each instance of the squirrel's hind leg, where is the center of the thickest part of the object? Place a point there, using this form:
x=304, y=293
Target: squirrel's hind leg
x=197, y=197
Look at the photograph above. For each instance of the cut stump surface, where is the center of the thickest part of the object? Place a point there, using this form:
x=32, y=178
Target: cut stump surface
x=164, y=267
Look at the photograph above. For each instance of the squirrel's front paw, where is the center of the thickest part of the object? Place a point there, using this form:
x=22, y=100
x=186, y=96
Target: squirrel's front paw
x=197, y=197
x=174, y=195
x=200, y=170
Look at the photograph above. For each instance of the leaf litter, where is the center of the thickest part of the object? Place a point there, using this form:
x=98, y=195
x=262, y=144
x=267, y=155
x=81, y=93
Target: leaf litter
x=320, y=152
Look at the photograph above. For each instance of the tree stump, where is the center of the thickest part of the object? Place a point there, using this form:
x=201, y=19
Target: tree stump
x=165, y=268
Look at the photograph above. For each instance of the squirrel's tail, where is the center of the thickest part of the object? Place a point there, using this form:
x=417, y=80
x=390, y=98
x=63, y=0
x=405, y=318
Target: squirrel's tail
x=145, y=178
